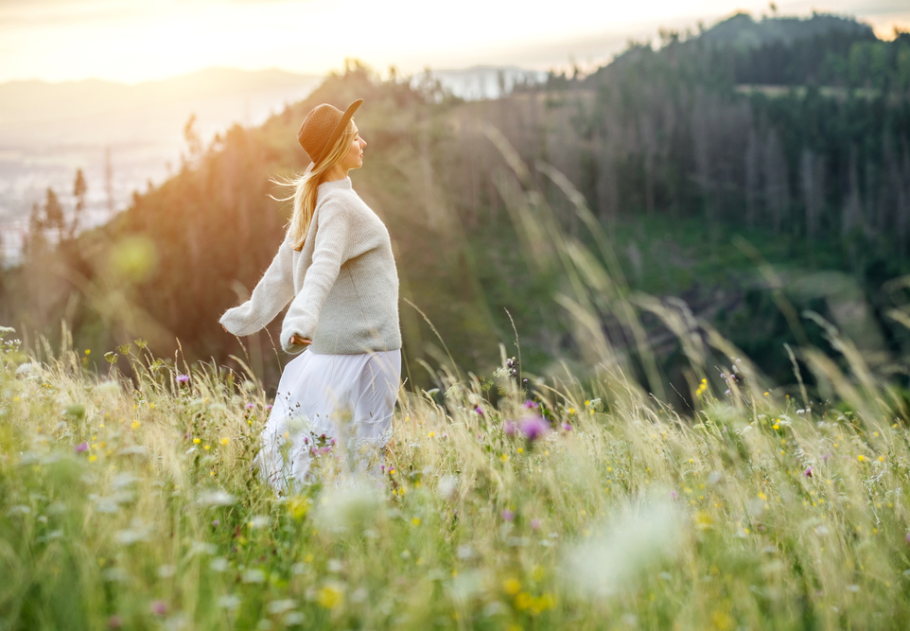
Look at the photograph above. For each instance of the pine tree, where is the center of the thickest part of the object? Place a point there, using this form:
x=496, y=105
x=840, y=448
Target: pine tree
x=79, y=190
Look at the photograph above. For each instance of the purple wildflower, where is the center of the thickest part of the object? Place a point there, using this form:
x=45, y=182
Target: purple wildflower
x=535, y=524
x=249, y=406
x=478, y=409
x=215, y=522
x=534, y=427
x=674, y=494
x=183, y=378
x=323, y=450
x=530, y=404
x=567, y=427
x=825, y=456
x=114, y=622
x=268, y=407
x=159, y=607
x=508, y=428
x=808, y=472
x=81, y=447
x=508, y=515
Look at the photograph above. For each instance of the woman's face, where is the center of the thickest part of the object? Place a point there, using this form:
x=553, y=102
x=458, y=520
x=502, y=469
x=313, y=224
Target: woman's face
x=354, y=157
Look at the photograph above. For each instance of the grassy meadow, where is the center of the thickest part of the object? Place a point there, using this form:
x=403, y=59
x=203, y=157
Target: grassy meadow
x=136, y=509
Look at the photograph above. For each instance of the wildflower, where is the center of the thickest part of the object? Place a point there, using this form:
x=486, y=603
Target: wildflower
x=196, y=441
x=511, y=586
x=478, y=409
x=225, y=440
x=329, y=597
x=268, y=407
x=567, y=427
x=250, y=406
x=508, y=515
x=860, y=457
x=674, y=494
x=159, y=607
x=530, y=404
x=183, y=378
x=114, y=622
x=81, y=447
x=534, y=427
x=808, y=472
x=535, y=524
x=508, y=428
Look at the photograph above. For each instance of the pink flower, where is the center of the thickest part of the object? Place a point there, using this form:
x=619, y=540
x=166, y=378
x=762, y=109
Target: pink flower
x=535, y=524
x=478, y=409
x=268, y=407
x=183, y=378
x=567, y=427
x=81, y=447
x=674, y=494
x=249, y=406
x=114, y=622
x=508, y=515
x=808, y=472
x=534, y=427
x=508, y=428
x=159, y=607
x=530, y=404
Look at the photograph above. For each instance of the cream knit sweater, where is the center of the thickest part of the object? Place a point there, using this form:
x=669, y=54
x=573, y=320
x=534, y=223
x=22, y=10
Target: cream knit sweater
x=343, y=282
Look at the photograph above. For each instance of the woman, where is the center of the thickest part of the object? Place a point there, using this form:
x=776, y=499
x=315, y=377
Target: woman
x=337, y=269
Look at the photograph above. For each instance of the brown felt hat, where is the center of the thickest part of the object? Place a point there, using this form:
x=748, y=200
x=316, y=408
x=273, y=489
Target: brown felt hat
x=322, y=127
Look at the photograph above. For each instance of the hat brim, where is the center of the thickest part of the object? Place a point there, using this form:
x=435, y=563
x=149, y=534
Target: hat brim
x=339, y=128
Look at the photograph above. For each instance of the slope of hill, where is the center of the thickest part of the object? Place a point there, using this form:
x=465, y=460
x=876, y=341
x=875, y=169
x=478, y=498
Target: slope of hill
x=816, y=183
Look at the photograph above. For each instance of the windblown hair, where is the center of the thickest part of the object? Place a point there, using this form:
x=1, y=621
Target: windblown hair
x=305, y=185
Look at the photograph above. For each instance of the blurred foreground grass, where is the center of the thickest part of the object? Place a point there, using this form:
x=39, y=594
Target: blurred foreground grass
x=136, y=509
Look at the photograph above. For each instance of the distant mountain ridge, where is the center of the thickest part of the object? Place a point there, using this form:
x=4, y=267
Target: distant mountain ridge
x=24, y=102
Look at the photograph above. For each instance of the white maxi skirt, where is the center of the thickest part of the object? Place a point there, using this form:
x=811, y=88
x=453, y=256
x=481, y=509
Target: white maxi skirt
x=329, y=405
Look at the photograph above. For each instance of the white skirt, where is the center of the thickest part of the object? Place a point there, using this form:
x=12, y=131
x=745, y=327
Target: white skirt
x=329, y=404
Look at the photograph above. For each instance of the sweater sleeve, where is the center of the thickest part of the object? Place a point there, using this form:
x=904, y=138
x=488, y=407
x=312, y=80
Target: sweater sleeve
x=269, y=297
x=330, y=251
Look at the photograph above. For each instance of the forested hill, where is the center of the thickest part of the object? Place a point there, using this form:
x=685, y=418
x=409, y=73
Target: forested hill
x=820, y=50
x=677, y=151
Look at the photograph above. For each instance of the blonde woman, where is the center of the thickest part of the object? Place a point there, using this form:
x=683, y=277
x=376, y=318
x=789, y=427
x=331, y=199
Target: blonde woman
x=336, y=268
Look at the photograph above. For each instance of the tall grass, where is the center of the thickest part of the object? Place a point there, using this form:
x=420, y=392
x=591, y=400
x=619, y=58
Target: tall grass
x=581, y=503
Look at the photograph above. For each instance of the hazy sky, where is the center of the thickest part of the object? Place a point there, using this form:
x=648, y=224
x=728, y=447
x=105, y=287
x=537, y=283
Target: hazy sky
x=136, y=40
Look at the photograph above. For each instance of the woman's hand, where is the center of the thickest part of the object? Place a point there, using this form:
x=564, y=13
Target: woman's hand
x=296, y=339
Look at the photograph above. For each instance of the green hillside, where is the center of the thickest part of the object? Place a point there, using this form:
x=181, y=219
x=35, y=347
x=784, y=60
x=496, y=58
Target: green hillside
x=751, y=208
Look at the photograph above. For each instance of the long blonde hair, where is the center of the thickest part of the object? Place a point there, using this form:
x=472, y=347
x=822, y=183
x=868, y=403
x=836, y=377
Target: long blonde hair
x=305, y=186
